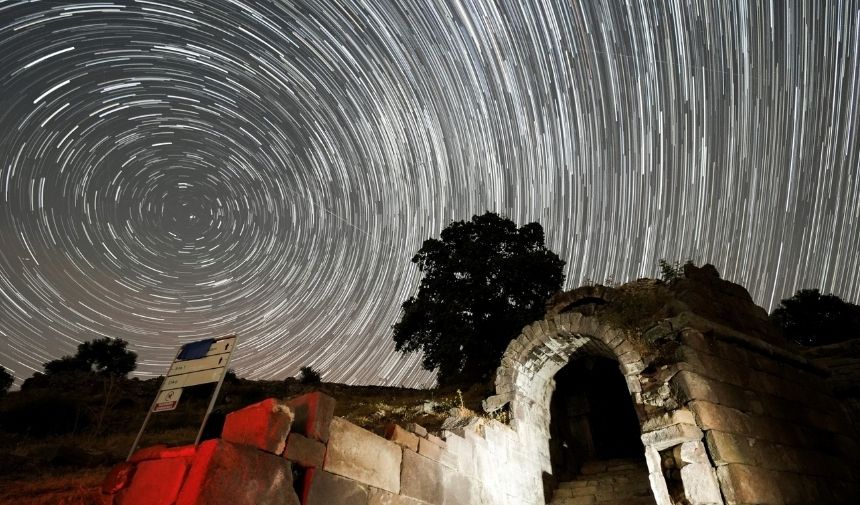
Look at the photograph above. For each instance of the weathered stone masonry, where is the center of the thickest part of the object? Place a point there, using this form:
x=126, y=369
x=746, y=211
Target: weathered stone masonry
x=745, y=420
x=728, y=413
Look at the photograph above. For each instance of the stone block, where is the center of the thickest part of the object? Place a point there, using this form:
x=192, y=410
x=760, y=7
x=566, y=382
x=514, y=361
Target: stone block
x=677, y=416
x=700, y=484
x=458, y=489
x=672, y=435
x=156, y=482
x=692, y=386
x=693, y=452
x=324, y=488
x=429, y=449
x=401, y=436
x=743, y=484
x=305, y=452
x=224, y=472
x=380, y=497
x=716, y=417
x=313, y=414
x=264, y=425
x=726, y=448
x=118, y=478
x=161, y=451
x=422, y=478
x=496, y=402
x=436, y=440
x=462, y=452
x=360, y=455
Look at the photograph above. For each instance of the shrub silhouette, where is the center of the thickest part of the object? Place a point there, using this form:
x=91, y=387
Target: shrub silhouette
x=307, y=375
x=810, y=318
x=6, y=380
x=43, y=413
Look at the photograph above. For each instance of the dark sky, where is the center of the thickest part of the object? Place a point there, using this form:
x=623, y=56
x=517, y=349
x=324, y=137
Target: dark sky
x=171, y=170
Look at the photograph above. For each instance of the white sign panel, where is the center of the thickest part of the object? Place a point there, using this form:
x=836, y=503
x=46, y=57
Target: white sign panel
x=192, y=379
x=167, y=400
x=195, y=365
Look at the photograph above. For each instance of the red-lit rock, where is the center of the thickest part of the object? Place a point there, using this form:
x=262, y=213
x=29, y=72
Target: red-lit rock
x=234, y=474
x=304, y=451
x=313, y=413
x=155, y=482
x=146, y=453
x=264, y=425
x=118, y=478
x=161, y=451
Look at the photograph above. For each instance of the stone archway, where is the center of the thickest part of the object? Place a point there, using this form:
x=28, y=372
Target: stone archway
x=525, y=384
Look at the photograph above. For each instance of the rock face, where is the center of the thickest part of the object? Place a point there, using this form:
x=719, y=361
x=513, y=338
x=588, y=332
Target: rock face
x=726, y=413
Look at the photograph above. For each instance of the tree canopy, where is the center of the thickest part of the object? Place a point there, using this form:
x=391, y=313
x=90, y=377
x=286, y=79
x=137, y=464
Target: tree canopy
x=483, y=280
x=810, y=318
x=105, y=356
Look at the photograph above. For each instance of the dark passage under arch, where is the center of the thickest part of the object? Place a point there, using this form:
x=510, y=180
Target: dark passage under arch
x=592, y=417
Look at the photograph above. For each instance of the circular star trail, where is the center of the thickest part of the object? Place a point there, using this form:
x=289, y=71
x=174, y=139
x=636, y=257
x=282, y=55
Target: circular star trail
x=171, y=170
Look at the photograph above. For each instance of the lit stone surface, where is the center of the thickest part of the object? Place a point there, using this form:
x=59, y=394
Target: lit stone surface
x=357, y=454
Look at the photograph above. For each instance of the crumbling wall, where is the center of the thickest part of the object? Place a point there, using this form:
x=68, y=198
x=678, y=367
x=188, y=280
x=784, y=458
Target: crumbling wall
x=727, y=416
x=773, y=432
x=297, y=452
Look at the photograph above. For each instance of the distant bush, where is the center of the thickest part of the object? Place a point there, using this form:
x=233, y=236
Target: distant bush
x=672, y=272
x=307, y=375
x=44, y=413
x=231, y=378
x=6, y=380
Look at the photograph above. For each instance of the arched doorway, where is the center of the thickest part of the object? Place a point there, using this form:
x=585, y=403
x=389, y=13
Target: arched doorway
x=595, y=442
x=526, y=382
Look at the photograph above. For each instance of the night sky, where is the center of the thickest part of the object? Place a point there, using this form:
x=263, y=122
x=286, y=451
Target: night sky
x=184, y=169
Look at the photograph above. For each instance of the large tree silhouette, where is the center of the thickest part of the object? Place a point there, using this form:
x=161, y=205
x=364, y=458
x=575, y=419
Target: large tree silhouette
x=810, y=318
x=483, y=281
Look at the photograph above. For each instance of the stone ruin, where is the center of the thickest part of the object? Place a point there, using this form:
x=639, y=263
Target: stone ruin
x=643, y=394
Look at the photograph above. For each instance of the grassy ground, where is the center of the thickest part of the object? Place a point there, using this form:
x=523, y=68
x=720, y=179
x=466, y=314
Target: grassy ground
x=80, y=487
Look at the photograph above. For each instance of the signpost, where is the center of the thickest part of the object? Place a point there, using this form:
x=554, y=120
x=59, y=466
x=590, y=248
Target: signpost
x=200, y=362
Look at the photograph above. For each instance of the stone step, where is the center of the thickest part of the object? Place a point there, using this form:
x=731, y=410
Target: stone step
x=610, y=482
x=591, y=500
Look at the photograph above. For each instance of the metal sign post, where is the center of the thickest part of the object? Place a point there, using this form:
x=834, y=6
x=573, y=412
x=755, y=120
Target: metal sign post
x=195, y=363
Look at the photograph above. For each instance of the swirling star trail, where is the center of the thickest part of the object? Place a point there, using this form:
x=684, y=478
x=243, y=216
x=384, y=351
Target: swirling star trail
x=171, y=170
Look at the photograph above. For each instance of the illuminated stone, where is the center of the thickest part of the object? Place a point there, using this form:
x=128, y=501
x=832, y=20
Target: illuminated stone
x=264, y=425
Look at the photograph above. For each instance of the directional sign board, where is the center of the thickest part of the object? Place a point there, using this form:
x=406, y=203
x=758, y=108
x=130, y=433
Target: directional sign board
x=209, y=367
x=196, y=363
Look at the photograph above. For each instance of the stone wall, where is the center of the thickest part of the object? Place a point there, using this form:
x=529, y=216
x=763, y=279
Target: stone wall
x=297, y=452
x=727, y=416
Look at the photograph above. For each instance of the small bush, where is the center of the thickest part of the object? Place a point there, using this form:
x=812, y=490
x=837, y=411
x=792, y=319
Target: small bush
x=6, y=380
x=307, y=375
x=45, y=414
x=671, y=273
